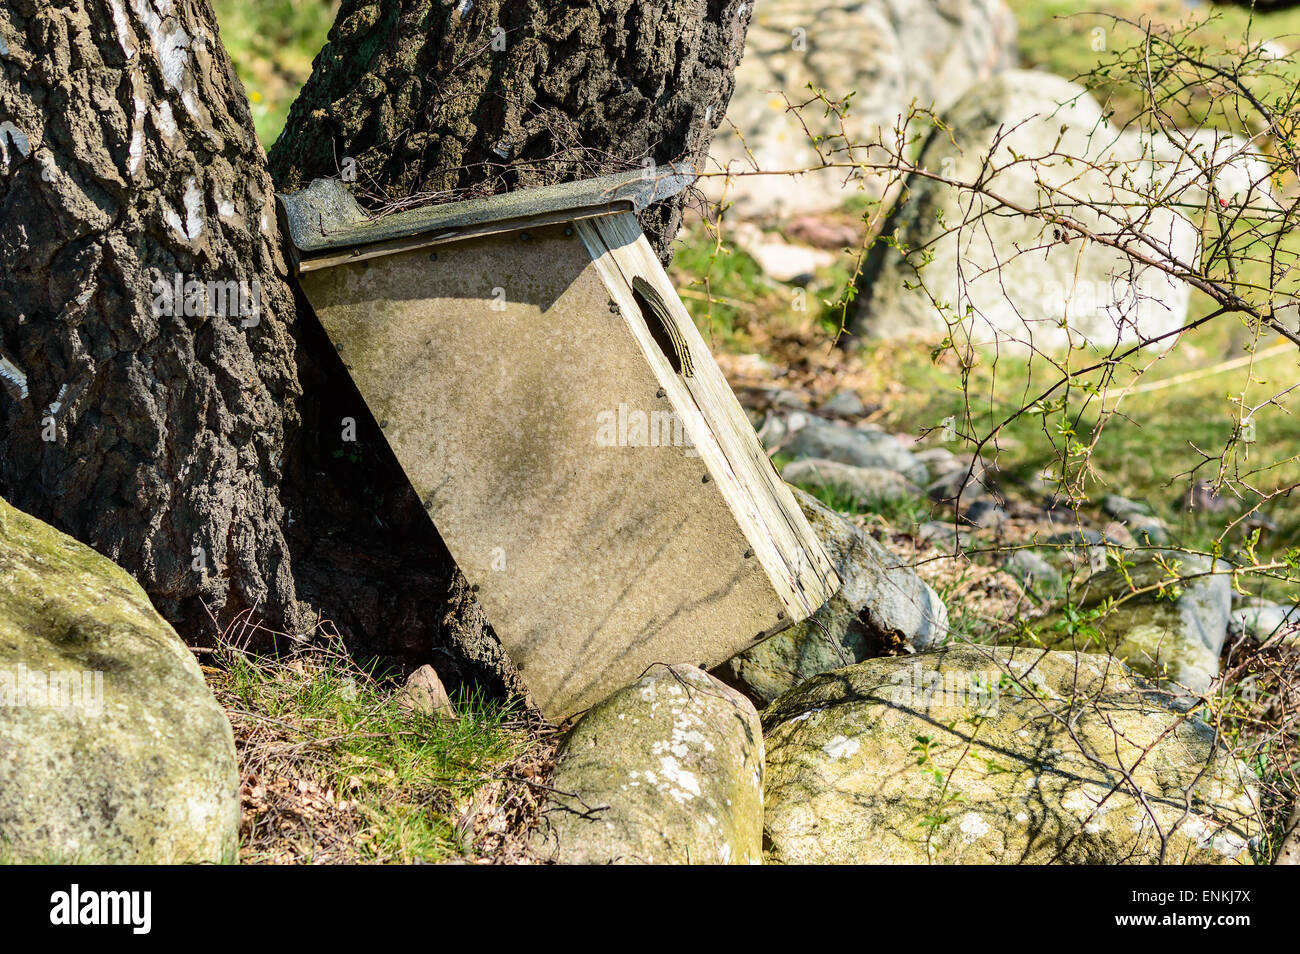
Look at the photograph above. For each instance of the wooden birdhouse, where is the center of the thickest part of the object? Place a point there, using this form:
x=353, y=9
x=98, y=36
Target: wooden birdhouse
x=565, y=425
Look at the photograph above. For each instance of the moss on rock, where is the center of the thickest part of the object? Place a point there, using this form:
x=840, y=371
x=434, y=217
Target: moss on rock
x=982, y=755
x=1173, y=634
x=112, y=748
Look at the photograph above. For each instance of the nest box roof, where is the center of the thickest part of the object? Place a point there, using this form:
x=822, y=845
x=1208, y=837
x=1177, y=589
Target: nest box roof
x=326, y=224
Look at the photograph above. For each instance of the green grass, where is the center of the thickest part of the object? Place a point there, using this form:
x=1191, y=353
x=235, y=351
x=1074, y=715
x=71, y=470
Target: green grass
x=703, y=269
x=1141, y=452
x=903, y=511
x=272, y=44
x=406, y=778
x=1060, y=36
x=743, y=299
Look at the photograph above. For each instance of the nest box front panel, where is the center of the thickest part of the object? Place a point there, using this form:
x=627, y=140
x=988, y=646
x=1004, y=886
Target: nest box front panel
x=564, y=479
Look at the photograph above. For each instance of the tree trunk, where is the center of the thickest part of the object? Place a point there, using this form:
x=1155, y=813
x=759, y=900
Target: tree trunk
x=228, y=462
x=158, y=439
x=455, y=96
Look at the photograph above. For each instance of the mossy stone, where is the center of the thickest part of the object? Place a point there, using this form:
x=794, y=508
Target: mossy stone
x=981, y=755
x=1174, y=635
x=112, y=748
x=668, y=770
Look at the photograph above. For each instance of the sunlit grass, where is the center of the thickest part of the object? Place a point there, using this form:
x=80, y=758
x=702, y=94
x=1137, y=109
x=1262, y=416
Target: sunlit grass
x=1070, y=38
x=272, y=44
x=337, y=770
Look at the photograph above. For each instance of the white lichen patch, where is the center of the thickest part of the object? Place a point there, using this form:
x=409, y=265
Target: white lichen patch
x=685, y=738
x=680, y=783
x=165, y=121
x=973, y=827
x=135, y=152
x=171, y=44
x=1208, y=833
x=123, y=28
x=649, y=777
x=1090, y=809
x=192, y=225
x=193, y=209
x=840, y=747
x=804, y=715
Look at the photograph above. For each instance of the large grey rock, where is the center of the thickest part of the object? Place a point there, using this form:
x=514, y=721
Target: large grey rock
x=886, y=52
x=953, y=479
x=1196, y=166
x=1145, y=527
x=1008, y=280
x=845, y=404
x=992, y=756
x=666, y=771
x=1033, y=571
x=881, y=606
x=1174, y=637
x=1261, y=620
x=112, y=748
x=805, y=435
x=1113, y=505
x=864, y=486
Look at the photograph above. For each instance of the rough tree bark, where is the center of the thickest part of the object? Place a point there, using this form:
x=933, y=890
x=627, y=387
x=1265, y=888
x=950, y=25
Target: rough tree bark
x=497, y=94
x=129, y=158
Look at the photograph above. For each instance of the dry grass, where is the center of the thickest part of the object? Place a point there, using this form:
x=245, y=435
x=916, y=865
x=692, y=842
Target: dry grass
x=336, y=770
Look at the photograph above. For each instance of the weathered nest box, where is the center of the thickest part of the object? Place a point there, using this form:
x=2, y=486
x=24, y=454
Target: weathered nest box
x=565, y=425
